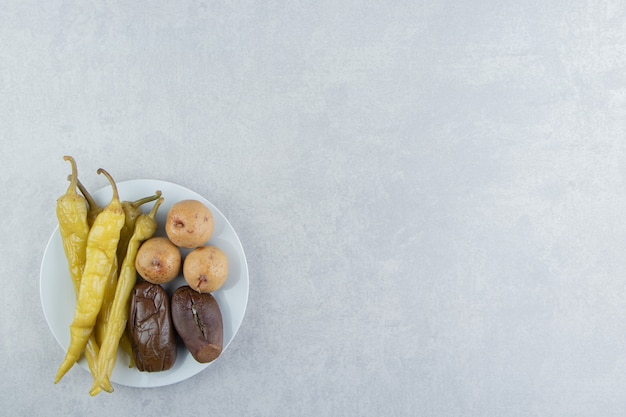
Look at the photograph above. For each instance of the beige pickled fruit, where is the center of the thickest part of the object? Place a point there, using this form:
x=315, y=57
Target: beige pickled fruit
x=158, y=260
x=205, y=269
x=189, y=224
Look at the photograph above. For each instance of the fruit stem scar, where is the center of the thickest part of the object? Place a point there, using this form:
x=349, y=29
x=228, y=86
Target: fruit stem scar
x=202, y=279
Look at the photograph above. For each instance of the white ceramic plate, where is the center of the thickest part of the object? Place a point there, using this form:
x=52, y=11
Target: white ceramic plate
x=58, y=299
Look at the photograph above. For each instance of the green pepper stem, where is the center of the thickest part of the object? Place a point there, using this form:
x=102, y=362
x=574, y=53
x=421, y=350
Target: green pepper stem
x=88, y=197
x=145, y=200
x=116, y=196
x=74, y=180
x=154, y=210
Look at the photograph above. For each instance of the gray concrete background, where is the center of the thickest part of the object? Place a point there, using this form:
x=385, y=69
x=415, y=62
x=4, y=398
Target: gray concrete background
x=431, y=196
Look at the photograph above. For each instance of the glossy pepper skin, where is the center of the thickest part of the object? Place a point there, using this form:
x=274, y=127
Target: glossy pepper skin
x=94, y=208
x=71, y=211
x=101, y=247
x=107, y=300
x=132, y=210
x=144, y=228
x=109, y=291
x=72, y=214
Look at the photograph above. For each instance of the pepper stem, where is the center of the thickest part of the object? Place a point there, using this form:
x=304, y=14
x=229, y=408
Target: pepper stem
x=74, y=177
x=145, y=200
x=88, y=197
x=153, y=212
x=116, y=196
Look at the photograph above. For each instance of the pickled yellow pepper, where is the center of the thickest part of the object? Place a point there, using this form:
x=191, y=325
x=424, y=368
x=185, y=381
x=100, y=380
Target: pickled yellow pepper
x=94, y=208
x=144, y=229
x=107, y=301
x=71, y=211
x=102, y=243
x=131, y=211
x=109, y=291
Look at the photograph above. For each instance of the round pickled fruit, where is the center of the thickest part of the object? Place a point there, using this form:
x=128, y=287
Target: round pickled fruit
x=205, y=269
x=189, y=224
x=158, y=260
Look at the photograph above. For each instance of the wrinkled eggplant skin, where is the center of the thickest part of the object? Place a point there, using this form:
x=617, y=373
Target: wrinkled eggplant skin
x=153, y=337
x=198, y=321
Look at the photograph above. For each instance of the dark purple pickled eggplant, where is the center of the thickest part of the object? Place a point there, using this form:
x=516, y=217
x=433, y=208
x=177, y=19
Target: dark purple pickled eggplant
x=198, y=321
x=150, y=326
